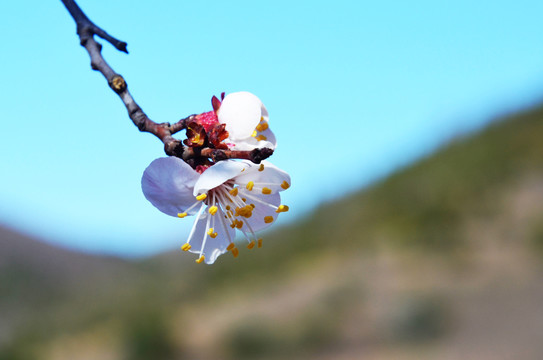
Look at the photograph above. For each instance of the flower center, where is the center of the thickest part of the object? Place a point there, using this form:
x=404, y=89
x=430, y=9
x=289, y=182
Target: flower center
x=240, y=206
x=208, y=120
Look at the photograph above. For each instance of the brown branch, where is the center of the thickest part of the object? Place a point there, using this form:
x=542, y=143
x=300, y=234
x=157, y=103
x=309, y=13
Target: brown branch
x=256, y=155
x=86, y=30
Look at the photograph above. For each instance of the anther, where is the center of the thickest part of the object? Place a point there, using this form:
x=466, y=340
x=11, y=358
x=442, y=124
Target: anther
x=230, y=247
x=260, y=242
x=186, y=247
x=261, y=137
x=261, y=168
x=266, y=191
x=233, y=192
x=246, y=211
x=213, y=235
x=213, y=210
x=268, y=219
x=235, y=252
x=210, y=231
x=285, y=185
x=250, y=185
x=282, y=208
x=181, y=215
x=262, y=126
x=251, y=245
x=200, y=259
x=201, y=197
x=254, y=133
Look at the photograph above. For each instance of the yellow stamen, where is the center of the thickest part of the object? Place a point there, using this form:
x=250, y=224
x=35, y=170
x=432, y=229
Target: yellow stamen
x=182, y=215
x=285, y=185
x=210, y=231
x=214, y=235
x=186, y=247
x=266, y=191
x=251, y=245
x=268, y=219
x=234, y=192
x=213, y=210
x=261, y=137
x=201, y=197
x=239, y=224
x=262, y=126
x=254, y=133
x=250, y=185
x=260, y=242
x=242, y=170
x=230, y=247
x=261, y=168
x=246, y=211
x=200, y=259
x=282, y=208
x=252, y=205
x=228, y=207
x=235, y=252
x=262, y=118
x=233, y=225
x=244, y=199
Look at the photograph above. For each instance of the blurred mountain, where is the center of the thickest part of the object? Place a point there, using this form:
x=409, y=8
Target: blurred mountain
x=443, y=259
x=36, y=277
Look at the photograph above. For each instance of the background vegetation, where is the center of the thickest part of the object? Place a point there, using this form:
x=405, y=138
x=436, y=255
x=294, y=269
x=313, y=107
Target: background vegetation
x=440, y=260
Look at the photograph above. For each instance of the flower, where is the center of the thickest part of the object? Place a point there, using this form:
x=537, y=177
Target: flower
x=239, y=122
x=246, y=120
x=227, y=196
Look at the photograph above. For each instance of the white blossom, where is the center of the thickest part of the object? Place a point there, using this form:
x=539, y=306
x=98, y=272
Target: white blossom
x=228, y=196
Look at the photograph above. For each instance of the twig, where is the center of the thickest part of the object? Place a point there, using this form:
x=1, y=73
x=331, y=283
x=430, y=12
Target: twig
x=86, y=30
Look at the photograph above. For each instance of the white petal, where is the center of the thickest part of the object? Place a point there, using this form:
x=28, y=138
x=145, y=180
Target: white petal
x=241, y=112
x=214, y=247
x=261, y=210
x=271, y=176
x=218, y=174
x=168, y=184
x=270, y=137
x=251, y=143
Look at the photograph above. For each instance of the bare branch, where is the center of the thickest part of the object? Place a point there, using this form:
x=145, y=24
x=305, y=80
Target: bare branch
x=86, y=30
x=256, y=155
x=84, y=23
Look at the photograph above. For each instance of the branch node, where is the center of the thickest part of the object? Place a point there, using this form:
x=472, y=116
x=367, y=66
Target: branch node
x=218, y=155
x=139, y=121
x=118, y=84
x=174, y=148
x=257, y=155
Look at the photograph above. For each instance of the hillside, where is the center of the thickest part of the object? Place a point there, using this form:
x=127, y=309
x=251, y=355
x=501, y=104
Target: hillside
x=35, y=277
x=440, y=260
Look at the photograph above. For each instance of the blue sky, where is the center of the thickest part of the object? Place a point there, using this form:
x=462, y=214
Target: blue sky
x=355, y=89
